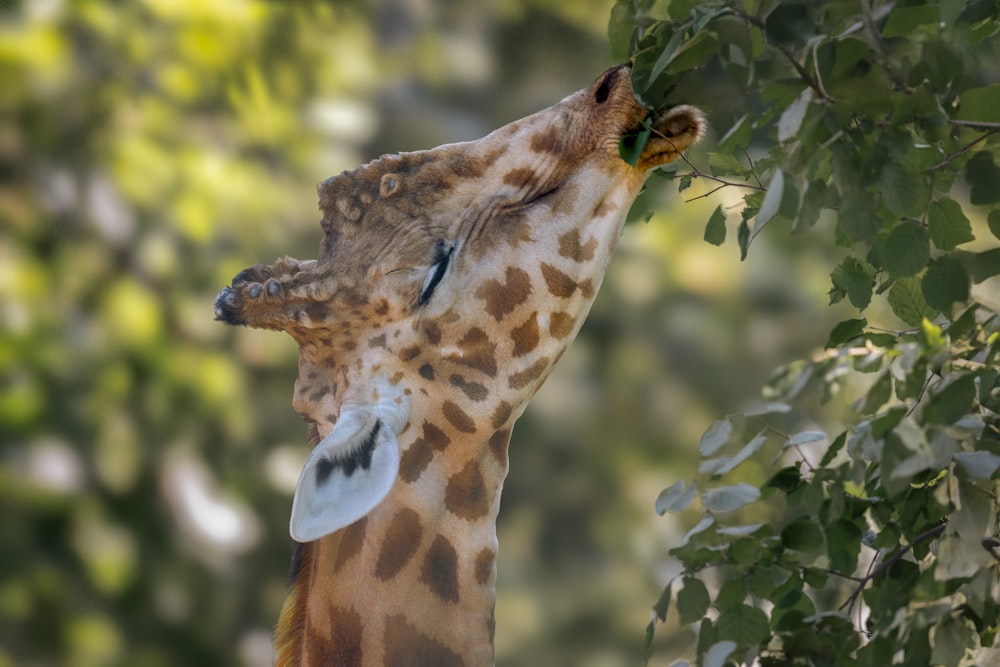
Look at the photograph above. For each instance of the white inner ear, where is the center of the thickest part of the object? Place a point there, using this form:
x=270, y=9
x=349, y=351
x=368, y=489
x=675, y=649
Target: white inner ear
x=347, y=474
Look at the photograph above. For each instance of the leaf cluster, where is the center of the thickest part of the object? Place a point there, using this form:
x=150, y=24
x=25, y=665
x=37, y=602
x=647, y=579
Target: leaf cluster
x=877, y=544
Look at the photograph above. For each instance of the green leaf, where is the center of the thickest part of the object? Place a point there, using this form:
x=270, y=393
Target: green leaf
x=715, y=230
x=947, y=224
x=994, y=222
x=666, y=55
x=904, y=191
x=846, y=331
x=745, y=625
x=980, y=104
x=904, y=20
x=953, y=402
x=743, y=238
x=857, y=219
x=729, y=498
x=983, y=176
x=906, y=250
x=945, y=283
x=738, y=136
x=700, y=527
x=631, y=145
x=878, y=395
x=949, y=640
x=802, y=535
x=843, y=543
x=621, y=25
x=725, y=164
x=907, y=301
x=692, y=600
x=772, y=199
x=675, y=498
x=787, y=479
x=662, y=605
x=856, y=279
x=834, y=449
x=985, y=265
x=715, y=437
x=694, y=53
x=732, y=594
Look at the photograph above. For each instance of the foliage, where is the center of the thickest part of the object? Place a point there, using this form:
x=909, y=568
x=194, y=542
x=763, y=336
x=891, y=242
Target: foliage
x=875, y=543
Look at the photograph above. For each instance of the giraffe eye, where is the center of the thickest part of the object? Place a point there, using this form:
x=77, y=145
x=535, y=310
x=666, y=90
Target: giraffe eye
x=436, y=273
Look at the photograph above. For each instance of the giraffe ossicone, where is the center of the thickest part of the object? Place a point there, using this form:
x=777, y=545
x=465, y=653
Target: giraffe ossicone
x=448, y=284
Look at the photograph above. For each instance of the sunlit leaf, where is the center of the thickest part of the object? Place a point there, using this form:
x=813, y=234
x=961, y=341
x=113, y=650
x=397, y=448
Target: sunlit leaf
x=791, y=119
x=700, y=527
x=806, y=438
x=675, y=498
x=717, y=654
x=981, y=464
x=728, y=498
x=772, y=199
x=715, y=437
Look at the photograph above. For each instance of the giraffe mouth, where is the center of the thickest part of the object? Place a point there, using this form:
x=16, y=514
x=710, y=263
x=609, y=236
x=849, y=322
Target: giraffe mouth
x=667, y=135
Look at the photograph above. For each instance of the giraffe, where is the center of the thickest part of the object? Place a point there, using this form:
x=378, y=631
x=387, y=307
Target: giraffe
x=448, y=283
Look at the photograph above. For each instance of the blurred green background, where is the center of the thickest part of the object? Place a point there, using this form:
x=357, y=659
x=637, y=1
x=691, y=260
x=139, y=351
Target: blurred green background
x=149, y=151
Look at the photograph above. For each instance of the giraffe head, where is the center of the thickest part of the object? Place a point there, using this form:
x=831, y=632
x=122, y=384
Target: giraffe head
x=448, y=283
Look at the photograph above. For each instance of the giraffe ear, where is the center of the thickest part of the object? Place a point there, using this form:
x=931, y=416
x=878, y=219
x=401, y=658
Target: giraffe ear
x=346, y=476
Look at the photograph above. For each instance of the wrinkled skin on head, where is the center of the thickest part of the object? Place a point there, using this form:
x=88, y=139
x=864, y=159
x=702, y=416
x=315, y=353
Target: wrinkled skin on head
x=450, y=238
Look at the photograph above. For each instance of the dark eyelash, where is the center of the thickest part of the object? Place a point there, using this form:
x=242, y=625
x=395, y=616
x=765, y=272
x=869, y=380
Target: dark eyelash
x=437, y=273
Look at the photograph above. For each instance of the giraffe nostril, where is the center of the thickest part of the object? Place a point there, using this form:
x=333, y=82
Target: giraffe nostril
x=603, y=91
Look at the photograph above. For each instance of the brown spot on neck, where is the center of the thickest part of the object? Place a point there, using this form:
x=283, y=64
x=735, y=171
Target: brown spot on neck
x=526, y=336
x=406, y=645
x=466, y=495
x=440, y=570
x=570, y=246
x=399, y=544
x=503, y=298
x=458, y=417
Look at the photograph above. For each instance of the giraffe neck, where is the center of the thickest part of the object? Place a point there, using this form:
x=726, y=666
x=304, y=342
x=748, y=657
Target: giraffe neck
x=354, y=592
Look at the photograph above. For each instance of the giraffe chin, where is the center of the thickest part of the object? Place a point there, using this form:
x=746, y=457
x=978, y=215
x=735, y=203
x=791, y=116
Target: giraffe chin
x=346, y=476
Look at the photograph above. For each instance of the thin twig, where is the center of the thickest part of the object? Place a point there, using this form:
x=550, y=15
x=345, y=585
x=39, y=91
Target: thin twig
x=892, y=560
x=978, y=124
x=963, y=149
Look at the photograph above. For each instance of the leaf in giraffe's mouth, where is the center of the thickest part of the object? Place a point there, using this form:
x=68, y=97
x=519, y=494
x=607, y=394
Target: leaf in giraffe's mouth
x=631, y=145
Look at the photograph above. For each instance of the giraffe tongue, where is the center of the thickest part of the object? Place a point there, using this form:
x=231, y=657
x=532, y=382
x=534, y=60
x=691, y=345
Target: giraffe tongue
x=346, y=476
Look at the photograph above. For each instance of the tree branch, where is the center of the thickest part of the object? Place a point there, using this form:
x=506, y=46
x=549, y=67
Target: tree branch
x=890, y=561
x=963, y=149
